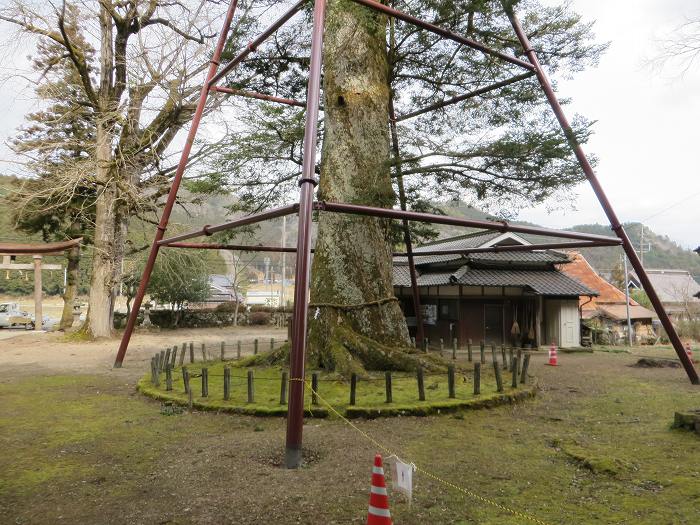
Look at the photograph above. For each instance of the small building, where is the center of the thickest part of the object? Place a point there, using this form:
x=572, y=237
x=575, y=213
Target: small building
x=221, y=290
x=607, y=311
x=677, y=290
x=506, y=297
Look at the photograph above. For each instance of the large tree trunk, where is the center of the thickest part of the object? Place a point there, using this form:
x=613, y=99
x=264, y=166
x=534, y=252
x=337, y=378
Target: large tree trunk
x=355, y=319
x=102, y=282
x=71, y=291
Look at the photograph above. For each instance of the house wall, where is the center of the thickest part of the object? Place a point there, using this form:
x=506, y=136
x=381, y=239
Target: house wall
x=562, y=325
x=481, y=313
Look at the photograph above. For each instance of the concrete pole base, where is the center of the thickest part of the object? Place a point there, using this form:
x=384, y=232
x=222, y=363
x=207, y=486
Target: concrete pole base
x=292, y=458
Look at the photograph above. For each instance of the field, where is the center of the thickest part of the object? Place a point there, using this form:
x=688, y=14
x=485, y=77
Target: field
x=595, y=446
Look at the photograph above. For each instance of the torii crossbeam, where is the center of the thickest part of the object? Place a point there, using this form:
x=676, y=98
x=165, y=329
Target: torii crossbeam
x=307, y=182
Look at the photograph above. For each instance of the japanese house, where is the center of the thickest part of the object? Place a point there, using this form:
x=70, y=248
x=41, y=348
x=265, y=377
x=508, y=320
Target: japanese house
x=507, y=297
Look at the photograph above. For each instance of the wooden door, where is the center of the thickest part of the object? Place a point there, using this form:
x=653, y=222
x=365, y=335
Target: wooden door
x=493, y=324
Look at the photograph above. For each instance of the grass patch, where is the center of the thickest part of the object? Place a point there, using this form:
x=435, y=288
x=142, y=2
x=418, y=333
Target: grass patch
x=335, y=391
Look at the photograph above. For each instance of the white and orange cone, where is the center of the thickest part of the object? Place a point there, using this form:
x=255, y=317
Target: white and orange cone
x=552, y=355
x=689, y=351
x=378, y=499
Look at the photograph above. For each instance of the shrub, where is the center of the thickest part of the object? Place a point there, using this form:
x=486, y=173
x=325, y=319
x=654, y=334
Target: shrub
x=228, y=306
x=259, y=318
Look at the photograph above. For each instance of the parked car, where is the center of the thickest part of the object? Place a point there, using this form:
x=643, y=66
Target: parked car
x=11, y=315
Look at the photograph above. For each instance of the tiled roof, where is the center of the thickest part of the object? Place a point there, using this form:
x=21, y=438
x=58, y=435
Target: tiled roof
x=542, y=282
x=583, y=272
x=542, y=256
x=674, y=286
x=618, y=312
x=472, y=240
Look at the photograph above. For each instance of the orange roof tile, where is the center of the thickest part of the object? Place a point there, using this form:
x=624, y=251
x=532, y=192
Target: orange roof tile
x=583, y=272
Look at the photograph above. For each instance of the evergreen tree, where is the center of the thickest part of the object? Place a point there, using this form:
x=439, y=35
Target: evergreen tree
x=502, y=150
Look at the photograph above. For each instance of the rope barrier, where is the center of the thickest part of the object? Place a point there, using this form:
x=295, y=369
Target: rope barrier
x=387, y=450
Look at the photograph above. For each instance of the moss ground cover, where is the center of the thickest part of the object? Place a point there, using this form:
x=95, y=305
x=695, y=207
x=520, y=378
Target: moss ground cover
x=594, y=447
x=335, y=391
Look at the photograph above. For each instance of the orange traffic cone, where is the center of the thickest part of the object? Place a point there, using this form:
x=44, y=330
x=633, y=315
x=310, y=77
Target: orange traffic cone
x=378, y=500
x=689, y=351
x=552, y=355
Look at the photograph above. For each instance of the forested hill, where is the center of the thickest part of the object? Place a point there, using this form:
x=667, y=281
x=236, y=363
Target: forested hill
x=663, y=253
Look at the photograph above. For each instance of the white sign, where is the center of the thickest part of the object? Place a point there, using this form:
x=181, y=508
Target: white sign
x=402, y=477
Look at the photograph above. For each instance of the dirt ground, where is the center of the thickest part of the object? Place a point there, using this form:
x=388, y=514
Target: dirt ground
x=81, y=446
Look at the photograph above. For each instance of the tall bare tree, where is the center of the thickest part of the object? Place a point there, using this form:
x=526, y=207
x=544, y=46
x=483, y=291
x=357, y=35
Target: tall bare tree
x=140, y=89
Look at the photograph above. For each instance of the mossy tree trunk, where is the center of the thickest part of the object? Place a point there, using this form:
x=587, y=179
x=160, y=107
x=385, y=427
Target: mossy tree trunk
x=352, y=297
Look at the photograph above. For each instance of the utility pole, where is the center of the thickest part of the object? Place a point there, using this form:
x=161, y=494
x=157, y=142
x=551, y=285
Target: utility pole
x=641, y=246
x=284, y=259
x=627, y=302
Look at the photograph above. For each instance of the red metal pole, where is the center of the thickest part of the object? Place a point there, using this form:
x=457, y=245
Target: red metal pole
x=237, y=247
x=420, y=329
x=259, y=96
x=602, y=197
x=443, y=32
x=297, y=357
x=170, y=202
x=243, y=221
x=252, y=46
x=466, y=96
x=359, y=209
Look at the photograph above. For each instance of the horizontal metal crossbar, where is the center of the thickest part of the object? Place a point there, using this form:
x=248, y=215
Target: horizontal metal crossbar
x=259, y=96
x=243, y=221
x=504, y=226
x=466, y=96
x=444, y=32
x=252, y=46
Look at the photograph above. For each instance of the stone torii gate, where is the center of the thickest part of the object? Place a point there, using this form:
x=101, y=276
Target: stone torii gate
x=37, y=251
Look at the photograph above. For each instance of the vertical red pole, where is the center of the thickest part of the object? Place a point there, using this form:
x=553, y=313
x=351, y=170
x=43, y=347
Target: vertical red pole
x=602, y=198
x=297, y=357
x=170, y=202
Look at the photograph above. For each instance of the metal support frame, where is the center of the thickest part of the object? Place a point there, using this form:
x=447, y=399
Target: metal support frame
x=306, y=205
x=602, y=197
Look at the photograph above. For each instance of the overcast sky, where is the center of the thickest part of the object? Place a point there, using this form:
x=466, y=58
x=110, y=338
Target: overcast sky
x=646, y=132
x=646, y=135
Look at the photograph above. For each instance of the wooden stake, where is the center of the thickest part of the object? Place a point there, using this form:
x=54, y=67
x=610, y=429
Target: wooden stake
x=469, y=350
x=421, y=386
x=191, y=352
x=514, y=370
x=168, y=377
x=387, y=386
x=251, y=387
x=223, y=351
x=255, y=347
x=173, y=357
x=283, y=388
x=442, y=345
x=481, y=351
x=353, y=388
x=186, y=380
x=205, y=382
x=526, y=364
x=503, y=354
x=499, y=377
x=238, y=350
x=451, y=381
x=477, y=379
x=204, y=353
x=454, y=348
x=227, y=383
x=272, y=344
x=182, y=354
x=314, y=388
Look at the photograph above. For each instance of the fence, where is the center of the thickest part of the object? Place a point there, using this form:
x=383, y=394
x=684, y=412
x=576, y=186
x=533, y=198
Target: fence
x=513, y=362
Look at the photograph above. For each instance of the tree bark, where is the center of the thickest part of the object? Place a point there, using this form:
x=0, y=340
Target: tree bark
x=71, y=291
x=352, y=298
x=102, y=282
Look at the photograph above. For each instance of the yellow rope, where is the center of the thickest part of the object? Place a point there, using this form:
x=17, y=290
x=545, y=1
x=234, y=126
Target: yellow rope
x=419, y=469
x=353, y=306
